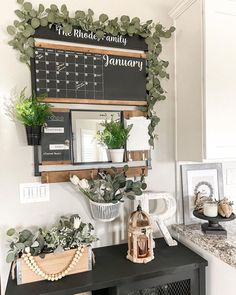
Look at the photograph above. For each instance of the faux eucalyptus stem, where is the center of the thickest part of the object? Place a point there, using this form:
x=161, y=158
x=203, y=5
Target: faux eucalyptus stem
x=29, y=19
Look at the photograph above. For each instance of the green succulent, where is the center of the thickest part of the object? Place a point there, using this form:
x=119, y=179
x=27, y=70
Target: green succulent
x=114, y=135
x=29, y=19
x=31, y=110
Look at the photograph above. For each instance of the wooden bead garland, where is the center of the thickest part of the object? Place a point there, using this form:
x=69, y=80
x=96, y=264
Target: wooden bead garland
x=29, y=260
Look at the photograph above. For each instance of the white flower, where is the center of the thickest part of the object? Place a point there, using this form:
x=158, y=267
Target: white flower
x=83, y=183
x=77, y=222
x=75, y=179
x=27, y=249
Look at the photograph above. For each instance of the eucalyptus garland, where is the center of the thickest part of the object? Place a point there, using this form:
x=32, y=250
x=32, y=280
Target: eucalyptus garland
x=29, y=19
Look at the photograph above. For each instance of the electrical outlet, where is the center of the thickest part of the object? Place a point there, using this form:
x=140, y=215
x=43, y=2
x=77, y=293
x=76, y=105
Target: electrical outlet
x=34, y=192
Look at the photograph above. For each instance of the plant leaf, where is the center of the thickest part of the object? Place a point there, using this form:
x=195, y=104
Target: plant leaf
x=11, y=232
x=27, y=6
x=103, y=17
x=11, y=30
x=10, y=257
x=35, y=23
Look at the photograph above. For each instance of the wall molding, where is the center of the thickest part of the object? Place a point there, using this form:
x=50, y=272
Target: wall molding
x=180, y=8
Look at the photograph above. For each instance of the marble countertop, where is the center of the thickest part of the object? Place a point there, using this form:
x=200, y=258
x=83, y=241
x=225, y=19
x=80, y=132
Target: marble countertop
x=220, y=246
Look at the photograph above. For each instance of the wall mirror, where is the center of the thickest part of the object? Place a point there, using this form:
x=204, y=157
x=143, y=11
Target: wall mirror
x=85, y=124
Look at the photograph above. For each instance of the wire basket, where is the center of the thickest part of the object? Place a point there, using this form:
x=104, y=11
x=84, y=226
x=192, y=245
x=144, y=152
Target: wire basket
x=105, y=212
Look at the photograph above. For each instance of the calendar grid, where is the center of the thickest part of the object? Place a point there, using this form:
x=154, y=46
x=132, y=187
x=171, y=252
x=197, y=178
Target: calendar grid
x=70, y=74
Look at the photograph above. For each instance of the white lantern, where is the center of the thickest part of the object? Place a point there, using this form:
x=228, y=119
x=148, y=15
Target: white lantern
x=140, y=237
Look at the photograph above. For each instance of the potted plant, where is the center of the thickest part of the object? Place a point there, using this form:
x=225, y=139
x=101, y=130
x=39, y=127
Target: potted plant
x=33, y=113
x=51, y=253
x=106, y=193
x=114, y=136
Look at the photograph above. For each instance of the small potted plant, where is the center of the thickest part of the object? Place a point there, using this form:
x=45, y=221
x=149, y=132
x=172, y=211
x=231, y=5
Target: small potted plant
x=106, y=193
x=51, y=254
x=33, y=113
x=114, y=136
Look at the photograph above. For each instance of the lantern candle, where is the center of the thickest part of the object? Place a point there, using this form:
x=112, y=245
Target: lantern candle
x=140, y=240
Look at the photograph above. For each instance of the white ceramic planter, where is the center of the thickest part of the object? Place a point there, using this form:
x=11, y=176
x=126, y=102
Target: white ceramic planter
x=104, y=211
x=117, y=155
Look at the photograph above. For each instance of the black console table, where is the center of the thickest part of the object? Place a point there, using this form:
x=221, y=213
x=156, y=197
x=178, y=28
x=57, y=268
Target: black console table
x=174, y=271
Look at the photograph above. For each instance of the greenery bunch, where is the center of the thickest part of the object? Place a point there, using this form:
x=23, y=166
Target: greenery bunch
x=29, y=19
x=110, y=188
x=31, y=110
x=69, y=233
x=113, y=135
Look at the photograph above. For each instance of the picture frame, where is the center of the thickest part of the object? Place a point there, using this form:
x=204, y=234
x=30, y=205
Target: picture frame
x=206, y=178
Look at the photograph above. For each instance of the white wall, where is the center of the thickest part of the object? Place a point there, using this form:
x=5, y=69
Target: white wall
x=16, y=157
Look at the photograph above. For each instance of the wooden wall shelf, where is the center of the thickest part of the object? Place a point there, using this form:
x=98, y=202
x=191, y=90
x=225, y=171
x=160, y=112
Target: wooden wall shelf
x=64, y=176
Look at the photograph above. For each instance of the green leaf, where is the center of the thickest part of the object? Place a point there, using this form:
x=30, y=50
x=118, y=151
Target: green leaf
x=11, y=232
x=20, y=246
x=103, y=17
x=149, y=86
x=12, y=43
x=151, y=142
x=16, y=23
x=80, y=14
x=167, y=34
x=44, y=22
x=135, y=20
x=54, y=7
x=51, y=17
x=144, y=186
x=126, y=168
x=27, y=6
x=29, y=52
x=33, y=13
x=100, y=34
x=41, y=8
x=125, y=18
x=31, y=41
x=35, y=23
x=11, y=30
x=90, y=12
x=131, y=29
x=20, y=1
x=20, y=14
x=64, y=8
x=67, y=28
x=10, y=257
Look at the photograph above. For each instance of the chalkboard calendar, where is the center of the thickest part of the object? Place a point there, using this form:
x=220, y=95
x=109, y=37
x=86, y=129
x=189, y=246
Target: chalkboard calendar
x=67, y=75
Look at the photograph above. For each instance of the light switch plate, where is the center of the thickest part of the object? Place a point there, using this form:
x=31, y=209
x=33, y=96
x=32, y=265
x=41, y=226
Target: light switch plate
x=34, y=192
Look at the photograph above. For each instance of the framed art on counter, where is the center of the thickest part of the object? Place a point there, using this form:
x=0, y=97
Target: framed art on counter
x=204, y=178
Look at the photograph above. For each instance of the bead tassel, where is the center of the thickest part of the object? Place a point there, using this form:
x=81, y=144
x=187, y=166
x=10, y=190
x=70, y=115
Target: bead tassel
x=32, y=264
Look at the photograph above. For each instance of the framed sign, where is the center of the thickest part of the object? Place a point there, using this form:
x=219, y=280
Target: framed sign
x=204, y=178
x=56, y=138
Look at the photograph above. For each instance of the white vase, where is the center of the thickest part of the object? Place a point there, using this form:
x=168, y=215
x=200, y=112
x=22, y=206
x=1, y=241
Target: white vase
x=117, y=155
x=104, y=212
